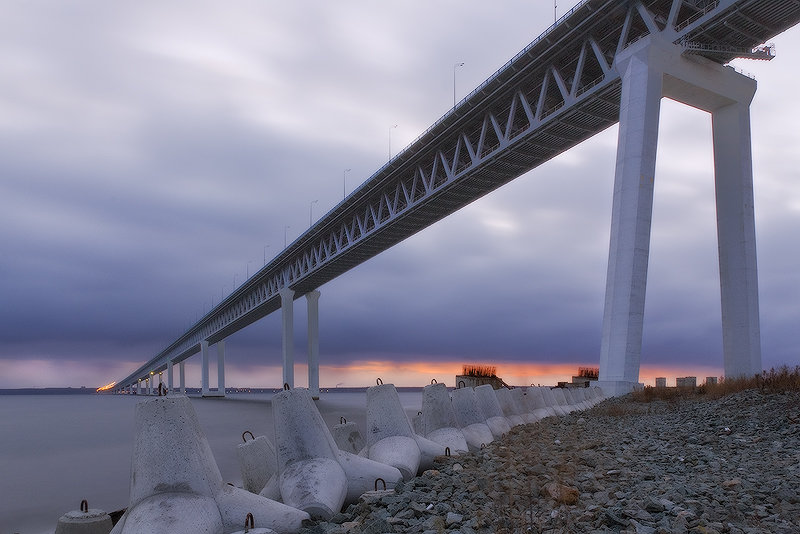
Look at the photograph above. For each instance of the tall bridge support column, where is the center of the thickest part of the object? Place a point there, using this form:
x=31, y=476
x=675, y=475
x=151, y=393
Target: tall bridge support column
x=287, y=335
x=221, y=368
x=182, y=377
x=204, y=387
x=736, y=235
x=312, y=300
x=170, y=376
x=631, y=215
x=650, y=69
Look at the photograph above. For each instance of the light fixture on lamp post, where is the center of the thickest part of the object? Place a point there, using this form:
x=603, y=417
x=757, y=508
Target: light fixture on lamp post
x=455, y=66
x=344, y=183
x=390, y=140
x=311, y=211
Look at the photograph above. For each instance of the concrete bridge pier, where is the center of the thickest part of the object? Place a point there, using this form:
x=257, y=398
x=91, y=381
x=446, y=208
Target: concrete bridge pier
x=170, y=374
x=651, y=69
x=182, y=377
x=287, y=335
x=312, y=300
x=206, y=389
x=287, y=339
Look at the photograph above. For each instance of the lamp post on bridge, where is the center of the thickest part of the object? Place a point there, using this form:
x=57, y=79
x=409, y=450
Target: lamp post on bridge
x=393, y=126
x=285, y=229
x=310, y=212
x=455, y=66
x=344, y=183
x=265, y=254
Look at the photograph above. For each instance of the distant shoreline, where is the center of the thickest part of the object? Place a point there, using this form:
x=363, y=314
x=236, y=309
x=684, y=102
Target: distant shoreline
x=189, y=391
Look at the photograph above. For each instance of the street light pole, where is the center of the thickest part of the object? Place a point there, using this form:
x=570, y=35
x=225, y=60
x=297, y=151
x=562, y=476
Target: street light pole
x=455, y=66
x=285, y=228
x=265, y=254
x=344, y=183
x=390, y=140
x=310, y=212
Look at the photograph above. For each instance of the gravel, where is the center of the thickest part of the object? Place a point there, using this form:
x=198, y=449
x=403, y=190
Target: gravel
x=730, y=465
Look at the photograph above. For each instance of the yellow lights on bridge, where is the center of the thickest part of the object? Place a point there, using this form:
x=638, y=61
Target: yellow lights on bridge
x=106, y=387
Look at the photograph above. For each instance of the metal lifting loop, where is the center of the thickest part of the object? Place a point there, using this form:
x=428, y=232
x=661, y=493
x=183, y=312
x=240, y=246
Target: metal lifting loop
x=483, y=445
x=85, y=506
x=433, y=381
x=461, y=384
x=379, y=382
x=248, y=522
x=382, y=481
x=419, y=413
x=245, y=433
x=286, y=386
x=342, y=420
x=447, y=451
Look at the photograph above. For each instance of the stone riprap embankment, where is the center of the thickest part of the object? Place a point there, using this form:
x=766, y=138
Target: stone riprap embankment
x=730, y=465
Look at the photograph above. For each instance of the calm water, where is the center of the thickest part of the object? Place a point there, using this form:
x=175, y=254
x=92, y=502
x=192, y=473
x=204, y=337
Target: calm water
x=56, y=450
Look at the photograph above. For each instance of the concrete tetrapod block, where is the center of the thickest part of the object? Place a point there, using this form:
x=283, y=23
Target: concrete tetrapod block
x=583, y=398
x=257, y=462
x=575, y=398
x=537, y=402
x=471, y=419
x=363, y=475
x=348, y=437
x=490, y=407
x=175, y=482
x=600, y=395
x=561, y=399
x=520, y=403
x=509, y=406
x=416, y=423
x=84, y=521
x=272, y=489
x=390, y=439
x=428, y=451
x=570, y=399
x=592, y=395
x=438, y=419
x=311, y=477
x=503, y=396
x=552, y=401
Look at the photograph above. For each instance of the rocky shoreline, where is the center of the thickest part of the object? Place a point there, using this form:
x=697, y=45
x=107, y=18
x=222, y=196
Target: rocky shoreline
x=729, y=465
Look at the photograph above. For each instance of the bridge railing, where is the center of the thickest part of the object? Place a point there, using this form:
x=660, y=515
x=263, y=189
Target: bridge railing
x=708, y=7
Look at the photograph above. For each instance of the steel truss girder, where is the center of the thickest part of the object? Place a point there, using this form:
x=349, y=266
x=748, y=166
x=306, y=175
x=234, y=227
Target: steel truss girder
x=558, y=91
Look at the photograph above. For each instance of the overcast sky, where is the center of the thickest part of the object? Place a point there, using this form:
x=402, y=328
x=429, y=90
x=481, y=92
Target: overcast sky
x=153, y=154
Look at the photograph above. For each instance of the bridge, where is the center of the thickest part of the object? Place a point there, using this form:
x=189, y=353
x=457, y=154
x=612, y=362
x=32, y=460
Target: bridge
x=603, y=62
